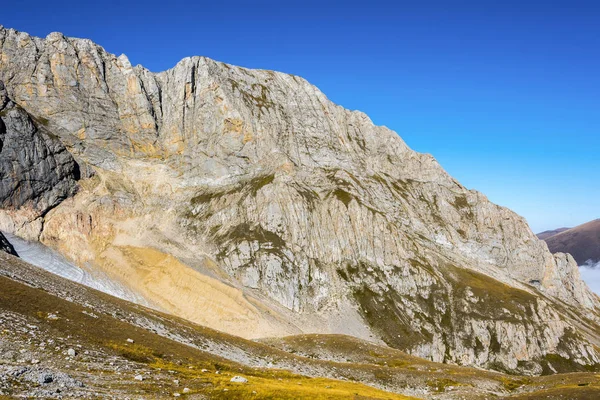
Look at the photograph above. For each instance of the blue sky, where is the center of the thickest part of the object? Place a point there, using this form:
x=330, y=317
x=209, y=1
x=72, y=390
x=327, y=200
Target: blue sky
x=506, y=95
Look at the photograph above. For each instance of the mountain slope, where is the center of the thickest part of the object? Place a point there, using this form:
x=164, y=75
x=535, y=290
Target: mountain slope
x=547, y=234
x=132, y=342
x=53, y=350
x=246, y=201
x=582, y=242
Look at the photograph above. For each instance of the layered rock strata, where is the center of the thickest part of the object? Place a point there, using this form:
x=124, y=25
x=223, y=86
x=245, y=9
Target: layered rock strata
x=247, y=201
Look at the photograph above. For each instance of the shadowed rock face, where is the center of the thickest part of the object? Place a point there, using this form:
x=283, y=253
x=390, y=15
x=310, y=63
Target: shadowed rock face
x=36, y=171
x=6, y=246
x=310, y=217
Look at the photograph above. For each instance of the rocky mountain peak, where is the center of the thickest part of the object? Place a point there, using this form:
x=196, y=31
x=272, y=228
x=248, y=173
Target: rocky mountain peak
x=280, y=212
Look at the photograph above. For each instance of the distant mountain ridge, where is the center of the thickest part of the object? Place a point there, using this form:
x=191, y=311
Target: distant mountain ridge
x=547, y=234
x=582, y=242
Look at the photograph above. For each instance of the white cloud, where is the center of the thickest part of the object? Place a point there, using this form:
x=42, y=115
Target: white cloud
x=591, y=275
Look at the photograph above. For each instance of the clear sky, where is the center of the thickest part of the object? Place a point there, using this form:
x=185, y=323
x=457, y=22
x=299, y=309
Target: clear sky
x=505, y=94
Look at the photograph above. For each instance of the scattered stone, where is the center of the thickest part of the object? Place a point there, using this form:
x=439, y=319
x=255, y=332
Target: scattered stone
x=45, y=377
x=239, y=379
x=186, y=390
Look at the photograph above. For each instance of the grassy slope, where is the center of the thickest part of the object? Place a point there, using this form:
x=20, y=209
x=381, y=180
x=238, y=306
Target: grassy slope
x=547, y=234
x=315, y=355
x=560, y=386
x=158, y=352
x=582, y=242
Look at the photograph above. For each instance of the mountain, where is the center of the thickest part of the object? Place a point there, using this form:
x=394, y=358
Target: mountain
x=246, y=201
x=546, y=234
x=50, y=349
x=582, y=242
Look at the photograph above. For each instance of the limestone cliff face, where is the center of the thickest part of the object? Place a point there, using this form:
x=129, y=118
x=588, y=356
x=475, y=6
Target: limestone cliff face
x=313, y=218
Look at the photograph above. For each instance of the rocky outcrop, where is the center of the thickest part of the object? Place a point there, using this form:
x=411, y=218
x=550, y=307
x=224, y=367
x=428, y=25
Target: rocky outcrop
x=36, y=171
x=316, y=219
x=6, y=246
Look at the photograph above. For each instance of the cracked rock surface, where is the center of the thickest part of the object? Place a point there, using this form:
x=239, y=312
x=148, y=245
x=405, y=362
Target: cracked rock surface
x=246, y=201
x=36, y=170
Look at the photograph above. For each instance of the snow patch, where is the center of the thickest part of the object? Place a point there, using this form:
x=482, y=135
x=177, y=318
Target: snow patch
x=43, y=257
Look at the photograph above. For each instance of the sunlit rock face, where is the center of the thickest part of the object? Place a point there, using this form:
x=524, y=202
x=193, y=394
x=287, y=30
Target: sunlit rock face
x=247, y=201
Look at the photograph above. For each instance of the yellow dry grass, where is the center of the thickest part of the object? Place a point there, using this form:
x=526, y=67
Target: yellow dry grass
x=183, y=291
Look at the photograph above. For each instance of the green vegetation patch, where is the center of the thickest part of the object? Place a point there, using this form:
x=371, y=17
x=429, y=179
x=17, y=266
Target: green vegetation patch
x=343, y=196
x=493, y=296
x=511, y=384
x=384, y=314
x=310, y=196
x=248, y=233
x=462, y=206
x=251, y=186
x=185, y=362
x=460, y=202
x=561, y=364
x=268, y=241
x=260, y=99
x=442, y=384
x=257, y=183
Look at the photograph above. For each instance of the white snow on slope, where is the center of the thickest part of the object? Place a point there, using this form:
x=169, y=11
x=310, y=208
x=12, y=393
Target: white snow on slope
x=43, y=257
